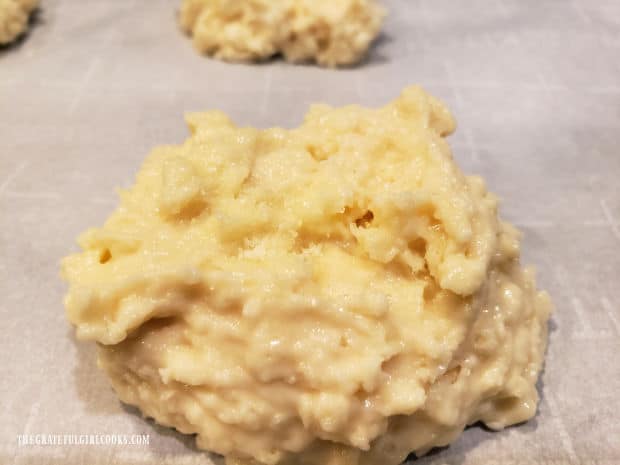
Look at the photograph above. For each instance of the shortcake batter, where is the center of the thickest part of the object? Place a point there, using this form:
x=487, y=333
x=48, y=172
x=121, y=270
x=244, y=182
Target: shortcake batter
x=339, y=293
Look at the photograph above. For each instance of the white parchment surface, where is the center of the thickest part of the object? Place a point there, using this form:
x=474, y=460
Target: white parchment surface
x=534, y=85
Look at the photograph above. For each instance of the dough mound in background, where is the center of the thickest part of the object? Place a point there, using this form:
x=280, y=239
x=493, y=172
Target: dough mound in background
x=329, y=32
x=339, y=293
x=14, y=16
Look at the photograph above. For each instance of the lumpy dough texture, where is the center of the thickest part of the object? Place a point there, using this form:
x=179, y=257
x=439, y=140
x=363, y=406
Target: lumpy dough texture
x=14, y=16
x=329, y=32
x=339, y=293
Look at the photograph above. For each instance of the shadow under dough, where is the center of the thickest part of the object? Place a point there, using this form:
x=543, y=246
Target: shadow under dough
x=377, y=52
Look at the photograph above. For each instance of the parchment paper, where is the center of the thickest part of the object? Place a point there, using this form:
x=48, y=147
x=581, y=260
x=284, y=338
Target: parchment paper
x=535, y=86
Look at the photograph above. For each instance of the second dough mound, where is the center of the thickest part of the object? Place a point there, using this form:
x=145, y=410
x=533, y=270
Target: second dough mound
x=14, y=16
x=330, y=33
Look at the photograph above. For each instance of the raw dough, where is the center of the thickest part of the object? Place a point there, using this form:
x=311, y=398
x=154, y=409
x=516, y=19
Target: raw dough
x=14, y=15
x=329, y=32
x=333, y=294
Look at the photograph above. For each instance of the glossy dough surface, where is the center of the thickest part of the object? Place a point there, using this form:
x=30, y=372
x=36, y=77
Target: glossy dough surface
x=328, y=32
x=338, y=294
x=14, y=16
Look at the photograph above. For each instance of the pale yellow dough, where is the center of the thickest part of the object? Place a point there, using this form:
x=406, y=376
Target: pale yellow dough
x=329, y=32
x=335, y=294
x=14, y=16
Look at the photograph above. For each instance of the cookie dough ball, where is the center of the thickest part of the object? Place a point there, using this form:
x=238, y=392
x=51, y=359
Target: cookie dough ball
x=338, y=294
x=14, y=16
x=329, y=32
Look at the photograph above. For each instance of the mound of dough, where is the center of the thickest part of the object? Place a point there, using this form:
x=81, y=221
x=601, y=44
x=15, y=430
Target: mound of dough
x=329, y=32
x=14, y=15
x=339, y=293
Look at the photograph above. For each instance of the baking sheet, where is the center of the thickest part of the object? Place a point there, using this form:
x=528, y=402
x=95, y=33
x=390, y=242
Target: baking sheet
x=535, y=86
